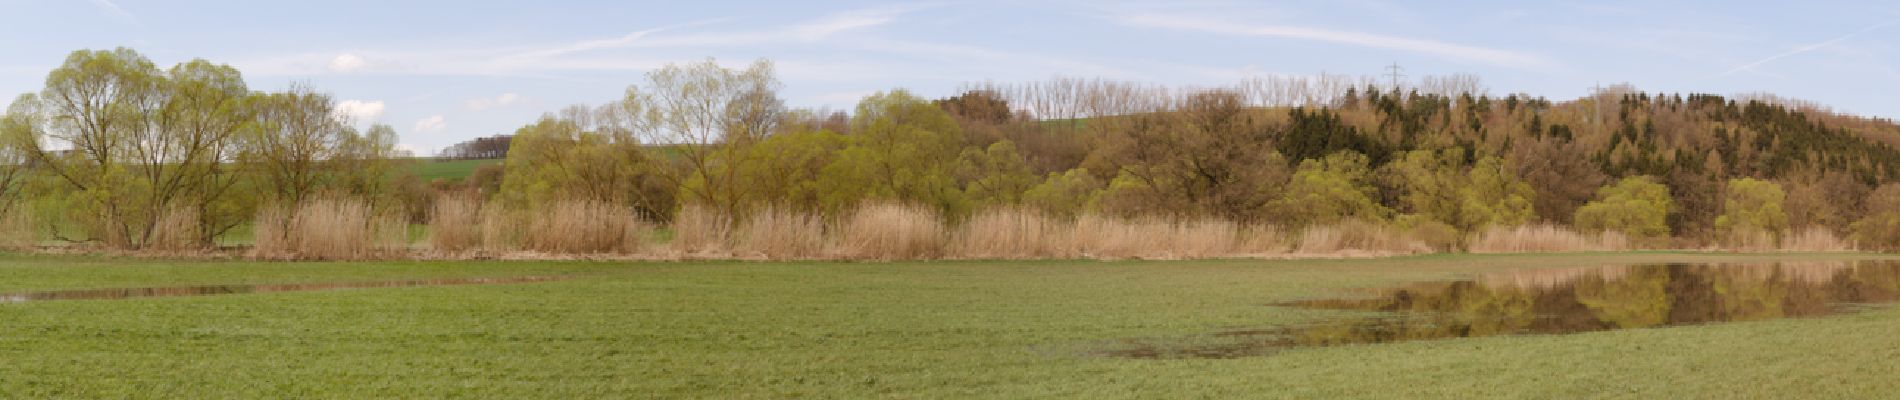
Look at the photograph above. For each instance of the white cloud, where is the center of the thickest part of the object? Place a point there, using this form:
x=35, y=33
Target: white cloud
x=504, y=100
x=1426, y=46
x=431, y=124
x=347, y=62
x=359, y=110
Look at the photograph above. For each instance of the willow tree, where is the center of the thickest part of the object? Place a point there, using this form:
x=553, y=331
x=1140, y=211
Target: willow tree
x=702, y=118
x=134, y=145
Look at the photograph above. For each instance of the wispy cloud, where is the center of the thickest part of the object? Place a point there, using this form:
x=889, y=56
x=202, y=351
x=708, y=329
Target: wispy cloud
x=1804, y=49
x=589, y=54
x=1443, y=49
x=115, y=10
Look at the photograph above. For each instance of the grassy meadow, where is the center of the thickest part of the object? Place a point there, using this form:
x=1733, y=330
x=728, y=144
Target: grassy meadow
x=856, y=330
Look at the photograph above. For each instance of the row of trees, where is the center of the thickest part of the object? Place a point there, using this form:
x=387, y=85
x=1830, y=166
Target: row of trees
x=117, y=150
x=1288, y=152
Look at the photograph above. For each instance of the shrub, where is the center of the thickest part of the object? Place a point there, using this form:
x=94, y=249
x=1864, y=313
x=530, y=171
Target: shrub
x=1636, y=206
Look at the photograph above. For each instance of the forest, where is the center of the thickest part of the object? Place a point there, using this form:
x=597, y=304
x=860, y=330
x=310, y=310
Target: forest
x=701, y=160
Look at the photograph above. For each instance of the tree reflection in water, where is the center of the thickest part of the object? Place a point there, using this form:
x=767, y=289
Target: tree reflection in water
x=1563, y=301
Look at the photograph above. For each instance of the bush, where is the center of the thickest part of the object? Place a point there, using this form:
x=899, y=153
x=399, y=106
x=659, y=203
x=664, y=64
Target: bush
x=1637, y=207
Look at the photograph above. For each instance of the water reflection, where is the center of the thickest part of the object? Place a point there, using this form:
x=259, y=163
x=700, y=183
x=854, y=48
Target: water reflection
x=1563, y=301
x=211, y=290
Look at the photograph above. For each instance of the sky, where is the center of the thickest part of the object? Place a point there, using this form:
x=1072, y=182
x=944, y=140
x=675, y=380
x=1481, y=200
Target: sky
x=441, y=72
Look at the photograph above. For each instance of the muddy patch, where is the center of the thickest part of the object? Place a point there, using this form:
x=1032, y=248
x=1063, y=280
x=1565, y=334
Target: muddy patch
x=214, y=290
x=1555, y=302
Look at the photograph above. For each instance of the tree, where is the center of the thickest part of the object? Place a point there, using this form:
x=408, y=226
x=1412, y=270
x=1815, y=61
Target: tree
x=996, y=175
x=1752, y=205
x=703, y=117
x=1064, y=193
x=301, y=147
x=1636, y=206
x=571, y=157
x=901, y=148
x=1328, y=190
x=134, y=145
x=1209, y=157
x=1880, y=229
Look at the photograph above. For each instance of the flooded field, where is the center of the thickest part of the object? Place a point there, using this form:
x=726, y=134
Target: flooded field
x=1559, y=301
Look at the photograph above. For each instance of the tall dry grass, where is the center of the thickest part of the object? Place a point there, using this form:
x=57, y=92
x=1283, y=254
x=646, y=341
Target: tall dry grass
x=18, y=230
x=777, y=234
x=701, y=231
x=1161, y=238
x=585, y=227
x=1815, y=239
x=503, y=230
x=1544, y=239
x=892, y=231
x=176, y=230
x=1748, y=240
x=1353, y=238
x=1013, y=233
x=329, y=228
x=455, y=224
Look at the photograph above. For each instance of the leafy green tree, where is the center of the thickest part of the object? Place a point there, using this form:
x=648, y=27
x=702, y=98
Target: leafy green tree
x=1065, y=193
x=996, y=175
x=134, y=144
x=1328, y=190
x=901, y=148
x=563, y=158
x=1636, y=206
x=1751, y=205
x=1880, y=228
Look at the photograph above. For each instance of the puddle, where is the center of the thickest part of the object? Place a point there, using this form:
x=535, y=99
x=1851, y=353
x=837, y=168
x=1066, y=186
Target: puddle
x=213, y=290
x=1560, y=301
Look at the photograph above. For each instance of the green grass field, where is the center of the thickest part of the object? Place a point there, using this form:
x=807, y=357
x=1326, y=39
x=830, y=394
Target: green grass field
x=858, y=330
x=430, y=170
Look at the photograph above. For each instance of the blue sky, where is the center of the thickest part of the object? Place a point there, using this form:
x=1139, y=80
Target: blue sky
x=444, y=71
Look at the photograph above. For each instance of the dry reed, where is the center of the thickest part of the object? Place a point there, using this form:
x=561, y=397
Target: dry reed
x=328, y=229
x=1357, y=238
x=455, y=224
x=892, y=231
x=700, y=231
x=777, y=234
x=176, y=230
x=1544, y=239
x=1013, y=233
x=18, y=230
x=1815, y=239
x=585, y=227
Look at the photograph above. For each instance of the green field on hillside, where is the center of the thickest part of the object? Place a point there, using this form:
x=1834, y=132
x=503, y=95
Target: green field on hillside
x=862, y=330
x=430, y=170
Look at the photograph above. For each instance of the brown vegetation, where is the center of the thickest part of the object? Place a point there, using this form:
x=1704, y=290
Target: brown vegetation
x=1544, y=239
